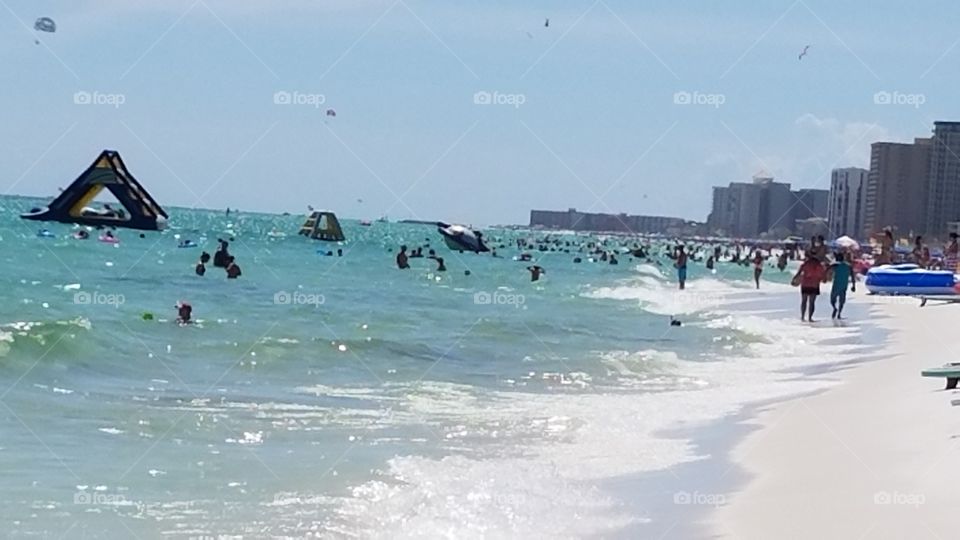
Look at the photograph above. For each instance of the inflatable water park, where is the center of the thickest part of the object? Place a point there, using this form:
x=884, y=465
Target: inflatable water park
x=139, y=210
x=322, y=226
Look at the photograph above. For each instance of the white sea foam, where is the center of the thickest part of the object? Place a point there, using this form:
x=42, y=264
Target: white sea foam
x=573, y=442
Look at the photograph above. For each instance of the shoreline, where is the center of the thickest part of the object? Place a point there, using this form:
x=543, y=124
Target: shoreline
x=868, y=458
x=679, y=501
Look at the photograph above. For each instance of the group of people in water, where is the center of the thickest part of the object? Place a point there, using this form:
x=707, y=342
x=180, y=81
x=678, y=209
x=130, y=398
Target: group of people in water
x=221, y=259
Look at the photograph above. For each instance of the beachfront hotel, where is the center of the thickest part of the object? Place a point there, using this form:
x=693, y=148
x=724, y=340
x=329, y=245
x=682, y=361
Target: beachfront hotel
x=845, y=210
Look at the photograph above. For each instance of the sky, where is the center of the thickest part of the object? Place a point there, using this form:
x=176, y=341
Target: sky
x=465, y=111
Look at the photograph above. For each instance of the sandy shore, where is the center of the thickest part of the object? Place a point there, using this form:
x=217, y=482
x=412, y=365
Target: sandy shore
x=875, y=457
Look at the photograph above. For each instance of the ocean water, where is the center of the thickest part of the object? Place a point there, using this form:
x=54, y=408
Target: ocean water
x=338, y=397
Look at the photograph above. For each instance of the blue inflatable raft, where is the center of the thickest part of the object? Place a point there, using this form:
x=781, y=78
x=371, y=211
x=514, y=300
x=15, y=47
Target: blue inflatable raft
x=910, y=279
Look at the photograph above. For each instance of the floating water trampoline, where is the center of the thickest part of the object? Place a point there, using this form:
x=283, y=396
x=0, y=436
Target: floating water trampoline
x=139, y=210
x=910, y=279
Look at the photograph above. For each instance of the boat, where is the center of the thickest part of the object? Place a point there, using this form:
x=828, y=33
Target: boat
x=461, y=238
x=910, y=279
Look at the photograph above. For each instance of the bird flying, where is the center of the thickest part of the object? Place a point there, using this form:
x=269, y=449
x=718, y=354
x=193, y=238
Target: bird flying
x=804, y=53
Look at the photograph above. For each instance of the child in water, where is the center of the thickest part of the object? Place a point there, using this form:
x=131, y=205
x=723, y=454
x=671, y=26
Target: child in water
x=201, y=268
x=233, y=269
x=184, y=311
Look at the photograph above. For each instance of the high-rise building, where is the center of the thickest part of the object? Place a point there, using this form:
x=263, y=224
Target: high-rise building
x=845, y=209
x=897, y=187
x=943, y=186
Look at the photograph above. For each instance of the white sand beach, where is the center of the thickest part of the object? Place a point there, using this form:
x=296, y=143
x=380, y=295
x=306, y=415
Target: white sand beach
x=875, y=457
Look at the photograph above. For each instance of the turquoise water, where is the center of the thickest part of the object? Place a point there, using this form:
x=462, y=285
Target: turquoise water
x=338, y=396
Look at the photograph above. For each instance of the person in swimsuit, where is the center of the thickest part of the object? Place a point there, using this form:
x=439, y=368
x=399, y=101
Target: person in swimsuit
x=809, y=276
x=681, y=266
x=184, y=312
x=233, y=269
x=951, y=254
x=535, y=272
x=886, y=247
x=402, y=262
x=757, y=267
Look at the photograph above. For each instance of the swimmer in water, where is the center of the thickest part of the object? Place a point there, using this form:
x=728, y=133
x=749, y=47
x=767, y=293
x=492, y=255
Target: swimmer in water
x=221, y=257
x=184, y=312
x=233, y=269
x=402, y=262
x=201, y=268
x=535, y=272
x=440, y=266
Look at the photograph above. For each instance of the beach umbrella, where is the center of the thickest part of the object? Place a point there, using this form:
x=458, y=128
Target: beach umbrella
x=846, y=242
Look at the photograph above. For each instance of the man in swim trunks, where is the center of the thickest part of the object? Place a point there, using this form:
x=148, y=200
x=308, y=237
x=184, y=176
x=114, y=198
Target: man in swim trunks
x=842, y=273
x=809, y=276
x=681, y=266
x=402, y=258
x=222, y=255
x=535, y=272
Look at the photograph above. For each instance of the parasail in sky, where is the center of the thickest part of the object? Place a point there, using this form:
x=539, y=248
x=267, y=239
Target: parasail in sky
x=45, y=24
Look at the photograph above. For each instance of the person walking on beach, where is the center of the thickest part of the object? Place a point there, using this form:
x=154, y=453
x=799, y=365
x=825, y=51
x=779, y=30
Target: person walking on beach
x=842, y=274
x=681, y=266
x=757, y=267
x=808, y=277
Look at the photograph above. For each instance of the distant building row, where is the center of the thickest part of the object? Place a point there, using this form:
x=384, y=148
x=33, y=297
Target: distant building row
x=764, y=208
x=572, y=220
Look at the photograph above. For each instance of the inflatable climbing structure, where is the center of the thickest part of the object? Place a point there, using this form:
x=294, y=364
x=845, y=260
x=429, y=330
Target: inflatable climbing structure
x=139, y=210
x=322, y=226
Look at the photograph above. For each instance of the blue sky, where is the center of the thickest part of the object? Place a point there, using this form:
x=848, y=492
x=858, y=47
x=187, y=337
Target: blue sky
x=598, y=127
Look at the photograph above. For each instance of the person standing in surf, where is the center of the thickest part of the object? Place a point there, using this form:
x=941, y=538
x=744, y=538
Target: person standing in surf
x=808, y=277
x=681, y=266
x=402, y=263
x=757, y=267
